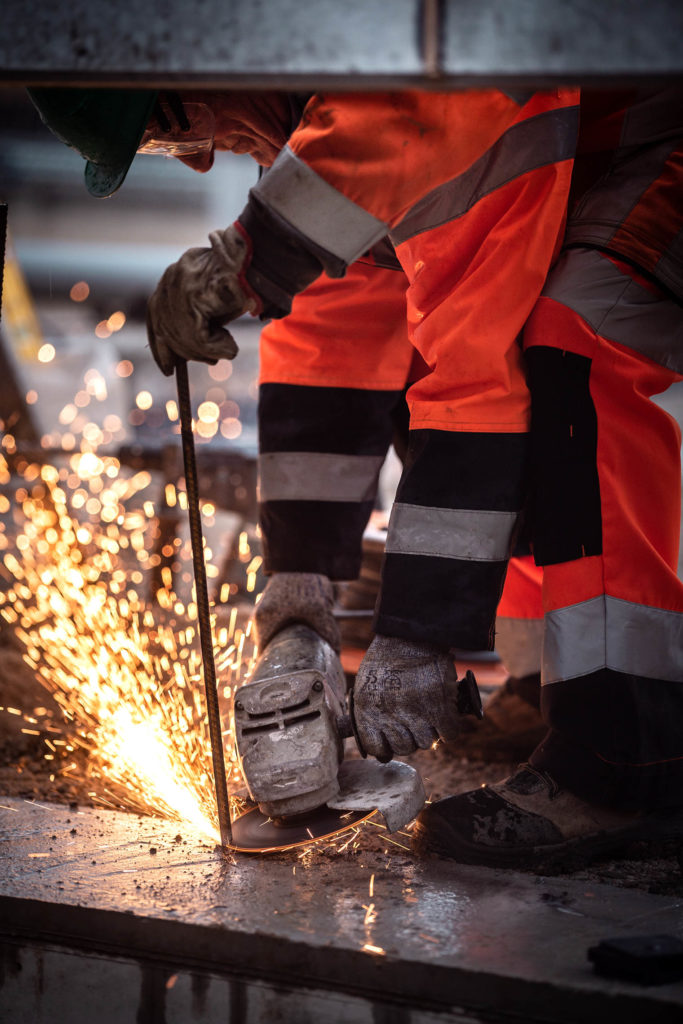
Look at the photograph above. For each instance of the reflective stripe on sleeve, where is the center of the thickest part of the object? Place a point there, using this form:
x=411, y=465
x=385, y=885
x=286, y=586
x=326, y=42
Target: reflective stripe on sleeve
x=603, y=209
x=618, y=308
x=318, y=476
x=607, y=632
x=468, y=534
x=541, y=140
x=295, y=192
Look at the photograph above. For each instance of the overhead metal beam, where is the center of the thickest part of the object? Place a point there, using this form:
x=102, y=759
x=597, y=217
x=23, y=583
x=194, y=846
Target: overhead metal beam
x=302, y=44
x=212, y=42
x=594, y=41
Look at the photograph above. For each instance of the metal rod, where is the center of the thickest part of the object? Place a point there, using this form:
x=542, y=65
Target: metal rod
x=203, y=612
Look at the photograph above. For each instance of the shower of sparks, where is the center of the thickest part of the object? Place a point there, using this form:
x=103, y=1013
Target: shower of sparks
x=119, y=655
x=124, y=669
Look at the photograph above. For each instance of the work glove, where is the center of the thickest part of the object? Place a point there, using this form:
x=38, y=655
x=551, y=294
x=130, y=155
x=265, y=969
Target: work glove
x=291, y=597
x=404, y=698
x=203, y=290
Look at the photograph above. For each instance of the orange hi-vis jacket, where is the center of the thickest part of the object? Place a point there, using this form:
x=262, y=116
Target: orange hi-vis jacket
x=472, y=189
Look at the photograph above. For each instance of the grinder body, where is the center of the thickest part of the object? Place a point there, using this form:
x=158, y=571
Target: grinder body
x=286, y=730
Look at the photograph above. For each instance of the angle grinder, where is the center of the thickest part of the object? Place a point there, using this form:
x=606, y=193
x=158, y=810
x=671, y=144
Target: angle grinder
x=291, y=722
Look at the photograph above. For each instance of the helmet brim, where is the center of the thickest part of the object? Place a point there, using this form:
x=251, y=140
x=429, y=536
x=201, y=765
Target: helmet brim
x=104, y=126
x=103, y=178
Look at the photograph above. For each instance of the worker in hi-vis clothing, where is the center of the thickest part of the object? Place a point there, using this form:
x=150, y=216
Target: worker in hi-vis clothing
x=472, y=189
x=605, y=336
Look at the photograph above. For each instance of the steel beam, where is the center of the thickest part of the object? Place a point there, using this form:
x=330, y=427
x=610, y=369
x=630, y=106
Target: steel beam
x=614, y=41
x=355, y=44
x=215, y=42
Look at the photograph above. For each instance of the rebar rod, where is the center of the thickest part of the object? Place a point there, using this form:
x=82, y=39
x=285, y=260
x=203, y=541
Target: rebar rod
x=203, y=611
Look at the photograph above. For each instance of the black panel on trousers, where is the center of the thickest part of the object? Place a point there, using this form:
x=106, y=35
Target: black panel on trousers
x=314, y=536
x=447, y=469
x=401, y=434
x=565, y=520
x=625, y=718
x=341, y=421
x=445, y=601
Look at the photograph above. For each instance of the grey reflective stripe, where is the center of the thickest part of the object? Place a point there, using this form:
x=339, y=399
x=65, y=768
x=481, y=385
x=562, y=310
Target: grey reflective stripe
x=606, y=205
x=518, y=96
x=318, y=476
x=607, y=632
x=545, y=139
x=319, y=211
x=468, y=534
x=618, y=308
x=519, y=642
x=605, y=208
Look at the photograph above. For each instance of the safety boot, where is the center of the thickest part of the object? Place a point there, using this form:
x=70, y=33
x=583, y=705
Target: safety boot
x=527, y=822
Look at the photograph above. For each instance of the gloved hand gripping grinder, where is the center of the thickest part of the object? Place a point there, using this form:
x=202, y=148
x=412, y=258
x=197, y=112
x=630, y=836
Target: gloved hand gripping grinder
x=290, y=725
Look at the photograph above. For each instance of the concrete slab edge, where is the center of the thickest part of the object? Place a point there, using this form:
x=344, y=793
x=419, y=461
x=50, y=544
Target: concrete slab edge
x=232, y=954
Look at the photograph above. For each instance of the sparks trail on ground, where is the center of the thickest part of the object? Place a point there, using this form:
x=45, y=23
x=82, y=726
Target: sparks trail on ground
x=125, y=670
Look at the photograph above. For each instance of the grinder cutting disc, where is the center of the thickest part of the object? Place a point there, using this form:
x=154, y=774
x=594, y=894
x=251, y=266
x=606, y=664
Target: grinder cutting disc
x=253, y=832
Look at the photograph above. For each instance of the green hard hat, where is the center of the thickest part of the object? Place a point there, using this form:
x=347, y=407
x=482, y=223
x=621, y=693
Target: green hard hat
x=104, y=125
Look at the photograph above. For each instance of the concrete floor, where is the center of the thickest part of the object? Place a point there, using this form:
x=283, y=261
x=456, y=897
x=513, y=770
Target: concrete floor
x=112, y=917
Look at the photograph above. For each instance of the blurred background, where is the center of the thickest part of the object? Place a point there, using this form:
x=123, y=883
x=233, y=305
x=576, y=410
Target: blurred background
x=76, y=372
x=88, y=266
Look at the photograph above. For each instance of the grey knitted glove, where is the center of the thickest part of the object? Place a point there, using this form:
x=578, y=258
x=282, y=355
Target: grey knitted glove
x=203, y=290
x=404, y=697
x=296, y=597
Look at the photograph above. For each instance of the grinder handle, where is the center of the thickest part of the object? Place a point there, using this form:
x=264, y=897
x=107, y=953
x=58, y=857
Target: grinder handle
x=467, y=696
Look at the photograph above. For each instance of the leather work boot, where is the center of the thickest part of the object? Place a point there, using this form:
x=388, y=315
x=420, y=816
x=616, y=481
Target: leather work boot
x=512, y=725
x=528, y=822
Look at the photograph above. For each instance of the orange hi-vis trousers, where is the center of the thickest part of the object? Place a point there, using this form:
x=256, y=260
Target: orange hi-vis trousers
x=605, y=526
x=333, y=383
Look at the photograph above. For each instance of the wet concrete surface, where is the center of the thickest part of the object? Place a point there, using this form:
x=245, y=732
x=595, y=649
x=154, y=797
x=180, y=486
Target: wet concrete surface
x=419, y=941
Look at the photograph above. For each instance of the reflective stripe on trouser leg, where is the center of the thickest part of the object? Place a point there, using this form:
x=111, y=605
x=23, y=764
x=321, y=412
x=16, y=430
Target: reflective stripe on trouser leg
x=519, y=619
x=449, y=537
x=323, y=437
x=613, y=647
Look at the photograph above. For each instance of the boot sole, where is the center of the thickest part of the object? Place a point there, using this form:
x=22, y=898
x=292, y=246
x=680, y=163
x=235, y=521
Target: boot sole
x=647, y=838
